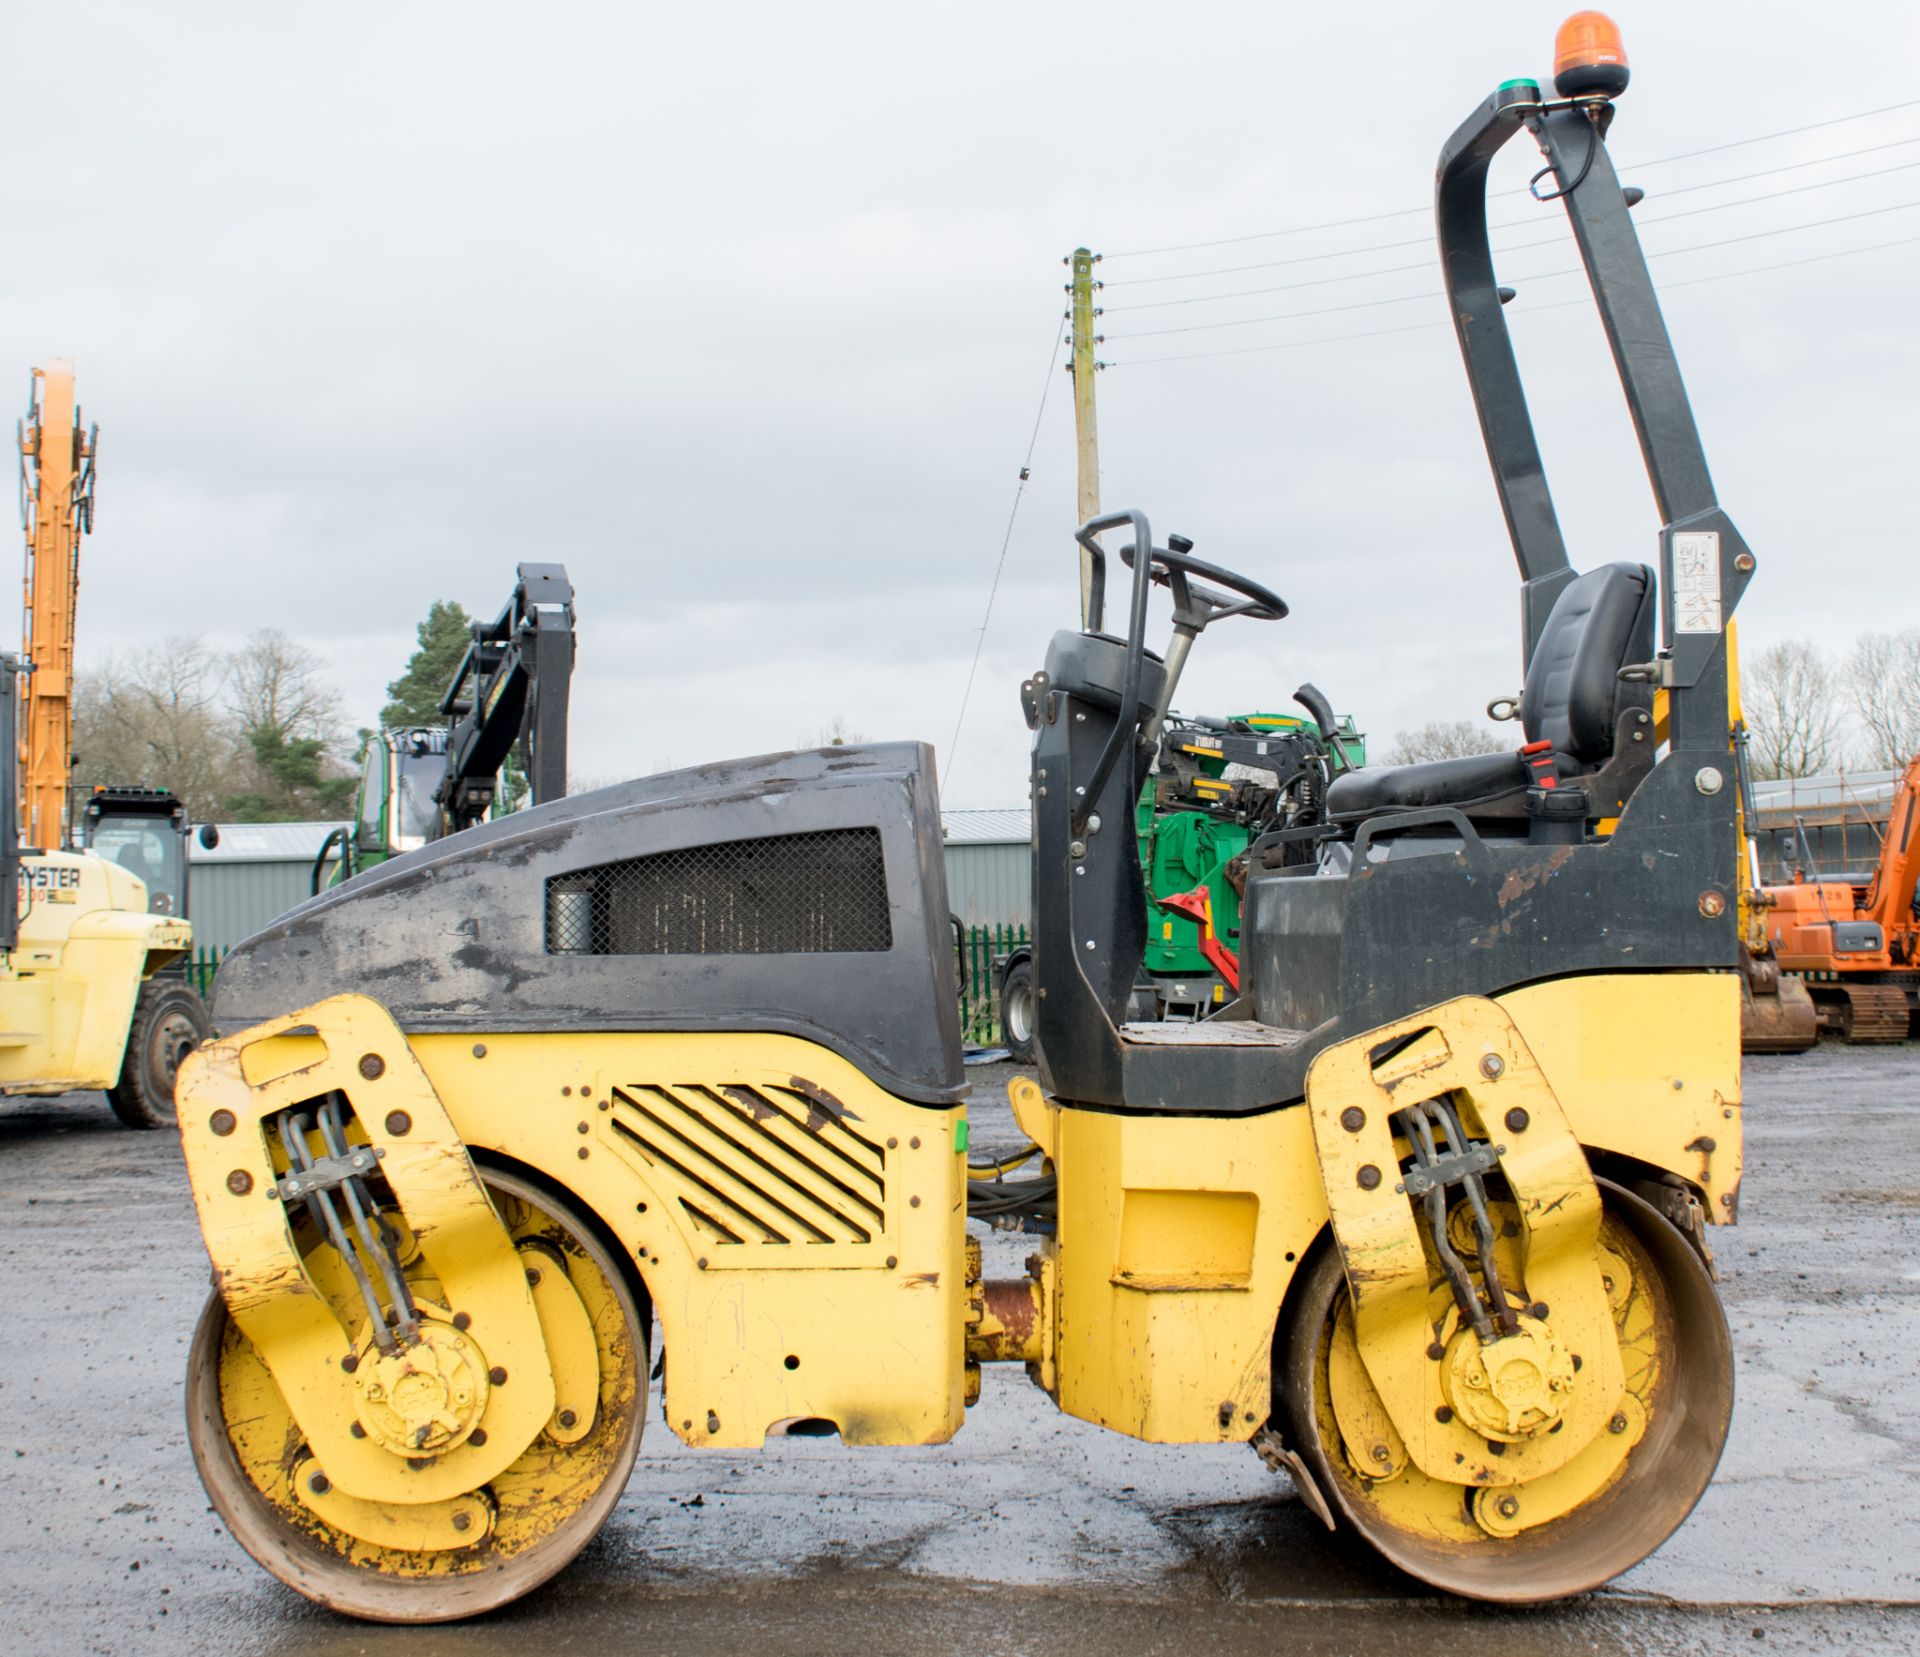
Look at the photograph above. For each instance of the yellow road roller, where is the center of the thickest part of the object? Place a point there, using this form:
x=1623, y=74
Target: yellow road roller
x=1421, y=1215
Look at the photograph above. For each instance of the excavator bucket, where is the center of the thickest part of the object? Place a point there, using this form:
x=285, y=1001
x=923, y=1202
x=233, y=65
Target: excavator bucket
x=1777, y=1020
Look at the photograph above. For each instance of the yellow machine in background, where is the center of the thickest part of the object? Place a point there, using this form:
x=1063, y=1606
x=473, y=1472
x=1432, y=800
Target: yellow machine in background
x=84, y=999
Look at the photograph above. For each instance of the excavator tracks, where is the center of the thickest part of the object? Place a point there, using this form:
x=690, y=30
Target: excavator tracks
x=1864, y=1012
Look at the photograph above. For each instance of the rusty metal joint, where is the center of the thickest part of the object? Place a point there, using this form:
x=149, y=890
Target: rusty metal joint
x=1009, y=1328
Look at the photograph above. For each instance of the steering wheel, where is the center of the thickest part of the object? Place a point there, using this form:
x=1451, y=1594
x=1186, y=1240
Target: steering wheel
x=1196, y=606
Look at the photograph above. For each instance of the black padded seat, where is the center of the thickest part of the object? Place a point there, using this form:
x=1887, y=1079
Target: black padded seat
x=1601, y=622
x=1473, y=779
x=1093, y=666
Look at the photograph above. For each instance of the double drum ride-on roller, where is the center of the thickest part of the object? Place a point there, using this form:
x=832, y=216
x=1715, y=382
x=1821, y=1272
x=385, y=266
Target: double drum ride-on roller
x=1421, y=1214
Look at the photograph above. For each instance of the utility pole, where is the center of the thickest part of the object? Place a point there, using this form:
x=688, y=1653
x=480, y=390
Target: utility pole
x=1086, y=433
x=56, y=469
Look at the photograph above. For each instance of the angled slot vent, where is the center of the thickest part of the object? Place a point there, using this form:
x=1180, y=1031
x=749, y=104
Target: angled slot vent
x=757, y=1165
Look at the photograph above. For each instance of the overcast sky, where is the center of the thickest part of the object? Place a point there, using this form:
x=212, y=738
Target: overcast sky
x=742, y=313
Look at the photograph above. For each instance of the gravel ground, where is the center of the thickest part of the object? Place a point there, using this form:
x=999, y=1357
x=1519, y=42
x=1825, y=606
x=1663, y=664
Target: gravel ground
x=1030, y=1532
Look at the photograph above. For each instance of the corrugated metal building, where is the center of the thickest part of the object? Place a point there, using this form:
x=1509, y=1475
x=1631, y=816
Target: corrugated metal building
x=990, y=866
x=261, y=870
x=258, y=871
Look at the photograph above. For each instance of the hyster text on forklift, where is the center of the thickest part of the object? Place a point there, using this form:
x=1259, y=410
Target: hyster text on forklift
x=1422, y=1217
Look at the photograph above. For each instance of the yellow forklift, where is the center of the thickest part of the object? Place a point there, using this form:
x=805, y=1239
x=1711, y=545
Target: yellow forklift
x=87, y=999
x=1421, y=1215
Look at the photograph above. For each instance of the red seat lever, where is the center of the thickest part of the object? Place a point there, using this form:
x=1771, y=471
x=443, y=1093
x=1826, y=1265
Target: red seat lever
x=1197, y=906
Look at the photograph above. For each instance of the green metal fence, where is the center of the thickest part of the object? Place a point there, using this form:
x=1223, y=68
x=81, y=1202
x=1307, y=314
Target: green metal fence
x=201, y=966
x=980, y=947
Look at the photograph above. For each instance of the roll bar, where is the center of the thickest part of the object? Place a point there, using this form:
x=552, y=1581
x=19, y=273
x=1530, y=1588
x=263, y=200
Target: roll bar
x=1714, y=563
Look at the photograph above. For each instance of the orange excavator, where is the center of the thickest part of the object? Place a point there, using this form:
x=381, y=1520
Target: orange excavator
x=1854, y=939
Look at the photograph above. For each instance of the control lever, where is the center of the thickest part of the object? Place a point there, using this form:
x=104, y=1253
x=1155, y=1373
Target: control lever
x=1314, y=700
x=1311, y=698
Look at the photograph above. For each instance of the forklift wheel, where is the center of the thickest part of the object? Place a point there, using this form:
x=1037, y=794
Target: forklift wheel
x=169, y=1022
x=1016, y=1011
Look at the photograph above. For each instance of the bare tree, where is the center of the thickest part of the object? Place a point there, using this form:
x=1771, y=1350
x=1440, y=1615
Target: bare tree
x=1446, y=739
x=1793, y=710
x=287, y=717
x=154, y=717
x=274, y=683
x=1882, y=678
x=254, y=736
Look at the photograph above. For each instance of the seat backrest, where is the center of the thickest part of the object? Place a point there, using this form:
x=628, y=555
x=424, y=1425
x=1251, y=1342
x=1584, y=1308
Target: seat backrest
x=1600, y=622
x=1093, y=666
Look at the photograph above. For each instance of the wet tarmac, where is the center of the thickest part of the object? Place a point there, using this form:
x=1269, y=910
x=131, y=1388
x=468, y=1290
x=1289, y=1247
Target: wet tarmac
x=1030, y=1532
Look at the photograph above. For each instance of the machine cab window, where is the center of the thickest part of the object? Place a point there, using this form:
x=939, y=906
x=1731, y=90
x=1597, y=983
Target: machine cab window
x=144, y=831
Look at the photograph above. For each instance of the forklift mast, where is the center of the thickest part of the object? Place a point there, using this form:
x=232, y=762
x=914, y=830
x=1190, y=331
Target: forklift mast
x=511, y=689
x=56, y=504
x=9, y=804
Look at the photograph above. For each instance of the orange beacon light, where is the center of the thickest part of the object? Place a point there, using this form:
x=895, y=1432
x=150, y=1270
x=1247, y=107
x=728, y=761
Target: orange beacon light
x=1588, y=57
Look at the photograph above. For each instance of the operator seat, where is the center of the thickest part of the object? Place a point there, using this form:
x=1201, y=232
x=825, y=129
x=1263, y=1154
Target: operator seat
x=1600, y=623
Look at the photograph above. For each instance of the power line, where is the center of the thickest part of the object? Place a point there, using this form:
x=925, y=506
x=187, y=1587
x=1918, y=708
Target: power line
x=1510, y=224
x=1751, y=270
x=1019, y=490
x=1404, y=212
x=1284, y=345
x=1537, y=276
x=1775, y=195
x=1791, y=166
x=1760, y=235
x=1267, y=235
x=1312, y=282
x=1784, y=132
x=1555, y=305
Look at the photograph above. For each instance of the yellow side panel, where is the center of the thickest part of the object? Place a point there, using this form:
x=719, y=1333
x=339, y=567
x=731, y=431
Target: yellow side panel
x=1647, y=1065
x=1177, y=1239
x=800, y=1230
x=39, y=1020
x=103, y=976
x=68, y=1026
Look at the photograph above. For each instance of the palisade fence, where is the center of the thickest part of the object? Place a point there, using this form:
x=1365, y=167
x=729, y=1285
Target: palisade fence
x=201, y=967
x=979, y=947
